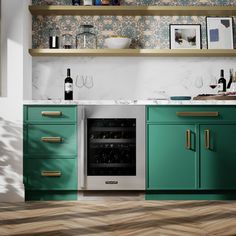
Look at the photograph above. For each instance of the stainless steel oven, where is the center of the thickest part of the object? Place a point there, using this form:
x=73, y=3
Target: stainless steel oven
x=111, y=148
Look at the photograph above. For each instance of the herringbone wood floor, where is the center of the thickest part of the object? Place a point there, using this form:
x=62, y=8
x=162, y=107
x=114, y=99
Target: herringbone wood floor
x=118, y=218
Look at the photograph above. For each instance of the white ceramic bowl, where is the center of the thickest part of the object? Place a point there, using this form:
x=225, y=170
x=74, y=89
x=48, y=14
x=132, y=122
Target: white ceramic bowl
x=117, y=42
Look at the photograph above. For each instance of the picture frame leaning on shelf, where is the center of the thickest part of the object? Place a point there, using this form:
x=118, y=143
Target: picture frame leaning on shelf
x=185, y=36
x=220, y=34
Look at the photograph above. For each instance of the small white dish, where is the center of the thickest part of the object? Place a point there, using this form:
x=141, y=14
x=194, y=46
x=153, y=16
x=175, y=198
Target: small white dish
x=117, y=42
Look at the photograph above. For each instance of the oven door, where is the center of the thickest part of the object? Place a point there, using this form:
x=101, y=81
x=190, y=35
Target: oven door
x=131, y=178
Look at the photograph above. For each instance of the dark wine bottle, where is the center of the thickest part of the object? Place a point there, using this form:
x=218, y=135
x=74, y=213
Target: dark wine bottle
x=221, y=82
x=68, y=86
x=230, y=78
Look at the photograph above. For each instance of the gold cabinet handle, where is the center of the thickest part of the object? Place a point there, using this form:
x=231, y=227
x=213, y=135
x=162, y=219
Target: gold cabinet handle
x=51, y=113
x=198, y=114
x=207, y=139
x=188, y=139
x=52, y=139
x=51, y=173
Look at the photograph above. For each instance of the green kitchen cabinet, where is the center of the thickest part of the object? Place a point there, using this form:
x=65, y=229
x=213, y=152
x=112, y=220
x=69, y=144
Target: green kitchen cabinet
x=218, y=156
x=50, y=152
x=172, y=159
x=191, y=152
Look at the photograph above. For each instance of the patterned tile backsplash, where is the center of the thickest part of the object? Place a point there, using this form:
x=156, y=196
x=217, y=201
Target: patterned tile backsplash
x=146, y=31
x=148, y=2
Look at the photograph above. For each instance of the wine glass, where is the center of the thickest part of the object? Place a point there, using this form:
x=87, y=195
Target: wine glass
x=79, y=82
x=198, y=82
x=213, y=83
x=88, y=82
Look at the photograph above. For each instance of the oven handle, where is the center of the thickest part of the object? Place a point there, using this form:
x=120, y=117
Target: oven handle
x=82, y=146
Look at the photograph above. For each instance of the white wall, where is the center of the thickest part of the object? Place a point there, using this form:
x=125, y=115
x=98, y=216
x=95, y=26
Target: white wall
x=15, y=31
x=128, y=78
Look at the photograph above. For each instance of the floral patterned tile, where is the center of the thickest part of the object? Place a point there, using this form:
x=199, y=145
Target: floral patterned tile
x=146, y=31
x=147, y=2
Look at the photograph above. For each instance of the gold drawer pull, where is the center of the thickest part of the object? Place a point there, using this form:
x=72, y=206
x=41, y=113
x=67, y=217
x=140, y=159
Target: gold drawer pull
x=51, y=113
x=52, y=139
x=51, y=173
x=207, y=139
x=188, y=139
x=198, y=113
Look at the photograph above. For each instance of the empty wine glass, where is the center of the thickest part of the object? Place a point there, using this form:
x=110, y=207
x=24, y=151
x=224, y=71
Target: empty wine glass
x=88, y=83
x=198, y=82
x=79, y=82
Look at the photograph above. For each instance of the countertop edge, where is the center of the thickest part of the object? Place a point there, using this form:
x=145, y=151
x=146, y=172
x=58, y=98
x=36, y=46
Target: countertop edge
x=128, y=102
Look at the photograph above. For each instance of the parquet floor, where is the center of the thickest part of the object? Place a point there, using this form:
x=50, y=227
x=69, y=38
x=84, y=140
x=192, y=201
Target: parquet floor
x=118, y=218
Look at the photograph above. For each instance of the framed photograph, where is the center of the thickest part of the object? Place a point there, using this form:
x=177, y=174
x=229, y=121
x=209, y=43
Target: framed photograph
x=220, y=33
x=185, y=36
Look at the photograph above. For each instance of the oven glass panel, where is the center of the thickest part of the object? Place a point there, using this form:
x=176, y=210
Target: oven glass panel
x=111, y=147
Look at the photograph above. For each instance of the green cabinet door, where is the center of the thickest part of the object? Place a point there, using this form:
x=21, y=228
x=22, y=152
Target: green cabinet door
x=172, y=160
x=218, y=156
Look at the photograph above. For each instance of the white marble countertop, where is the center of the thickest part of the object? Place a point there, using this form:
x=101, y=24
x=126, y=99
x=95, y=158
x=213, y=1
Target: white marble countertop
x=128, y=102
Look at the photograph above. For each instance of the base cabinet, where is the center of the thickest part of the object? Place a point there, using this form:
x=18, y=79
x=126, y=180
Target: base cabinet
x=191, y=152
x=50, y=152
x=218, y=156
x=172, y=160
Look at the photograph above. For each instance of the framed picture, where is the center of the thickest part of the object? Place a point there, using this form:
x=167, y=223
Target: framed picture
x=220, y=33
x=187, y=36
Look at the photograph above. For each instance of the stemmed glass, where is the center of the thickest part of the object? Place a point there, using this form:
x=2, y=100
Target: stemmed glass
x=198, y=82
x=213, y=84
x=84, y=81
x=88, y=83
x=79, y=82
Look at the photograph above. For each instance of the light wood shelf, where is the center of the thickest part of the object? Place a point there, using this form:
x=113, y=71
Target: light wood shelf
x=134, y=10
x=134, y=52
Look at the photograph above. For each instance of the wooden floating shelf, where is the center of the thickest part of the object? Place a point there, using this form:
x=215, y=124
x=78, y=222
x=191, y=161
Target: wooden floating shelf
x=134, y=10
x=134, y=52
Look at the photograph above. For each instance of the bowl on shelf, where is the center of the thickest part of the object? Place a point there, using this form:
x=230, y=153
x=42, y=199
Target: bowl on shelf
x=117, y=42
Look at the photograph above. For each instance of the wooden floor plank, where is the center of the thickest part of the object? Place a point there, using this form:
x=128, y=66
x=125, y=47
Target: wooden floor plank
x=119, y=218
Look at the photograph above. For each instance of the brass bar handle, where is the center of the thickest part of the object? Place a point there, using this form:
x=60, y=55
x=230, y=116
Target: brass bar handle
x=51, y=173
x=198, y=114
x=52, y=139
x=207, y=139
x=188, y=139
x=51, y=113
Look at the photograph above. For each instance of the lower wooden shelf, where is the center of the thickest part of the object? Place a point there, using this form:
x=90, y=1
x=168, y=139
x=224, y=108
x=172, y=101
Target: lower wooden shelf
x=134, y=52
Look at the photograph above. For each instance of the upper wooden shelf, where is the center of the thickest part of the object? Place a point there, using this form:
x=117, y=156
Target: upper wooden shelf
x=134, y=10
x=134, y=52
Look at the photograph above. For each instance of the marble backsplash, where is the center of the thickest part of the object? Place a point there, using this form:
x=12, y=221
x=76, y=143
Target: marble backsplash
x=129, y=78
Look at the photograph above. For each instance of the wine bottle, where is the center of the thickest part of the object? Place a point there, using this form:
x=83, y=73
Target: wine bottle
x=68, y=86
x=230, y=78
x=221, y=82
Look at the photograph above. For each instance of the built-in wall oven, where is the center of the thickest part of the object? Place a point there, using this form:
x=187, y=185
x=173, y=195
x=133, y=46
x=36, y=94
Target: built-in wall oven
x=111, y=147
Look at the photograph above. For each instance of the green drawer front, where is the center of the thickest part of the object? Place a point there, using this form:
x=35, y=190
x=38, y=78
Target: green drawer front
x=52, y=114
x=51, y=174
x=50, y=140
x=190, y=113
